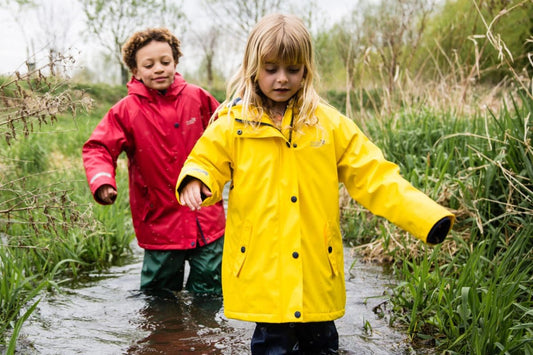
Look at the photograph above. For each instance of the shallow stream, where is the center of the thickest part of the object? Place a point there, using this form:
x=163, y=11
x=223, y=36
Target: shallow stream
x=108, y=315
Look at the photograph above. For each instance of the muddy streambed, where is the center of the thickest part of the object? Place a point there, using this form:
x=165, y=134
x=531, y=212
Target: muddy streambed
x=108, y=315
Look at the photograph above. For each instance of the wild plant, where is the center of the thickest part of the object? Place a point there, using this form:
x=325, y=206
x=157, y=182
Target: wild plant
x=50, y=231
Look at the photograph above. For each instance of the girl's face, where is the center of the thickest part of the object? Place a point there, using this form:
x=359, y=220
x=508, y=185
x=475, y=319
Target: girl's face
x=155, y=65
x=279, y=81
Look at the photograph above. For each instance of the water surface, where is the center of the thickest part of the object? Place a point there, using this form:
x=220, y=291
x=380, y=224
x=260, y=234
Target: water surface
x=108, y=315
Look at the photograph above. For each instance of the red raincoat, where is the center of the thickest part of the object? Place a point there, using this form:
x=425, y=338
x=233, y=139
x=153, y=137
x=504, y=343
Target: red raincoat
x=157, y=132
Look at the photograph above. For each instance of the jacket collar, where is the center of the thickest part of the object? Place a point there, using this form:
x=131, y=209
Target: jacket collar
x=263, y=128
x=136, y=87
x=234, y=109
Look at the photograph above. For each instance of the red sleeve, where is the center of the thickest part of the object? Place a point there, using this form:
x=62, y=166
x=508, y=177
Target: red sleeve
x=101, y=151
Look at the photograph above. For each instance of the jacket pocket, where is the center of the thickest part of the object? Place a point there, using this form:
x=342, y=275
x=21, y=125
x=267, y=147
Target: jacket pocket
x=330, y=245
x=240, y=259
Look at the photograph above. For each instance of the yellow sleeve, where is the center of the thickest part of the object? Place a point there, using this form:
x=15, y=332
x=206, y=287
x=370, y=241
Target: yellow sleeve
x=377, y=185
x=209, y=160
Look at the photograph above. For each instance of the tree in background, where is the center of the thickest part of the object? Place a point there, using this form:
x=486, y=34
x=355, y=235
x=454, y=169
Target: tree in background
x=240, y=16
x=375, y=42
x=208, y=41
x=112, y=22
x=393, y=30
x=47, y=31
x=401, y=51
x=335, y=52
x=16, y=9
x=55, y=24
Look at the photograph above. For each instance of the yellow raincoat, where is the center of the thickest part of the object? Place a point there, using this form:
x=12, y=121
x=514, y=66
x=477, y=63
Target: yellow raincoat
x=283, y=252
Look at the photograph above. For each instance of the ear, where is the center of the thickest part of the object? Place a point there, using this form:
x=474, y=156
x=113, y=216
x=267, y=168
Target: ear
x=135, y=73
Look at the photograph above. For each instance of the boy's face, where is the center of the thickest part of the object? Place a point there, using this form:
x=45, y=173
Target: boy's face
x=155, y=65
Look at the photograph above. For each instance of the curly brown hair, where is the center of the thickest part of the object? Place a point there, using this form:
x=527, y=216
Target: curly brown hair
x=142, y=38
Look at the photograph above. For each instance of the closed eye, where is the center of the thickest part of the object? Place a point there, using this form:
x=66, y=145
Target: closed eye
x=294, y=69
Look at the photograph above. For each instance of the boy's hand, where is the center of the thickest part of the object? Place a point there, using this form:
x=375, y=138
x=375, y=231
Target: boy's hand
x=193, y=193
x=106, y=194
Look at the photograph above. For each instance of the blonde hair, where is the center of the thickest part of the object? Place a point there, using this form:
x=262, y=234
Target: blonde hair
x=285, y=38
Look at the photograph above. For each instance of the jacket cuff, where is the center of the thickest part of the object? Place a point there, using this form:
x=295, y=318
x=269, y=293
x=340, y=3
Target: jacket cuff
x=189, y=173
x=99, y=180
x=439, y=231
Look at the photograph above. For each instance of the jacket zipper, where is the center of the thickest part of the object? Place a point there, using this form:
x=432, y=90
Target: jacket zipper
x=201, y=232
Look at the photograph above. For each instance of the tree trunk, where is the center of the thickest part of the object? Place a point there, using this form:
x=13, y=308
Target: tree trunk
x=124, y=75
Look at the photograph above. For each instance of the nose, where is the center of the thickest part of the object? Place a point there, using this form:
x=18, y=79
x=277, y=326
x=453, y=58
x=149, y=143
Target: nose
x=282, y=77
x=158, y=67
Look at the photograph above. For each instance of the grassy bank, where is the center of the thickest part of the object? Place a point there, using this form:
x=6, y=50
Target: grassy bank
x=51, y=231
x=473, y=294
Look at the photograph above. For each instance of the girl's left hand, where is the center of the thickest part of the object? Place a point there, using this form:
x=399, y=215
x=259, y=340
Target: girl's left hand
x=192, y=193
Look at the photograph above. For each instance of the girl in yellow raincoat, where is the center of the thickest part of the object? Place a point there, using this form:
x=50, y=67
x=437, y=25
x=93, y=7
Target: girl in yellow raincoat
x=285, y=153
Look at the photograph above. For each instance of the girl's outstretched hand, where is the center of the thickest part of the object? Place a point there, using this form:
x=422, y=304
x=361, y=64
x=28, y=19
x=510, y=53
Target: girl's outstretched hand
x=193, y=193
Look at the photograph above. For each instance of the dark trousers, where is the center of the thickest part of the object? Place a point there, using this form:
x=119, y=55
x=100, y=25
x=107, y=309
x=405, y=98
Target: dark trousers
x=164, y=270
x=295, y=338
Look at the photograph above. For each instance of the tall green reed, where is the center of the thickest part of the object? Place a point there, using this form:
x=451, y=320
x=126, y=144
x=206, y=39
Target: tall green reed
x=478, y=300
x=480, y=307
x=16, y=288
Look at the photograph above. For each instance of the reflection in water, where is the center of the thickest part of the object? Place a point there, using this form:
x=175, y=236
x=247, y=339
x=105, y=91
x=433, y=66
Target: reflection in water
x=184, y=324
x=110, y=316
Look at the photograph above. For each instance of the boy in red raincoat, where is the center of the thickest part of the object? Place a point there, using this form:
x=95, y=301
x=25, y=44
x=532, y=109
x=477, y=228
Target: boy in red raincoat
x=156, y=125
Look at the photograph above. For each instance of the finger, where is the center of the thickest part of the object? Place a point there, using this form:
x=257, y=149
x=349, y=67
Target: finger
x=206, y=192
x=186, y=201
x=110, y=195
x=189, y=200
